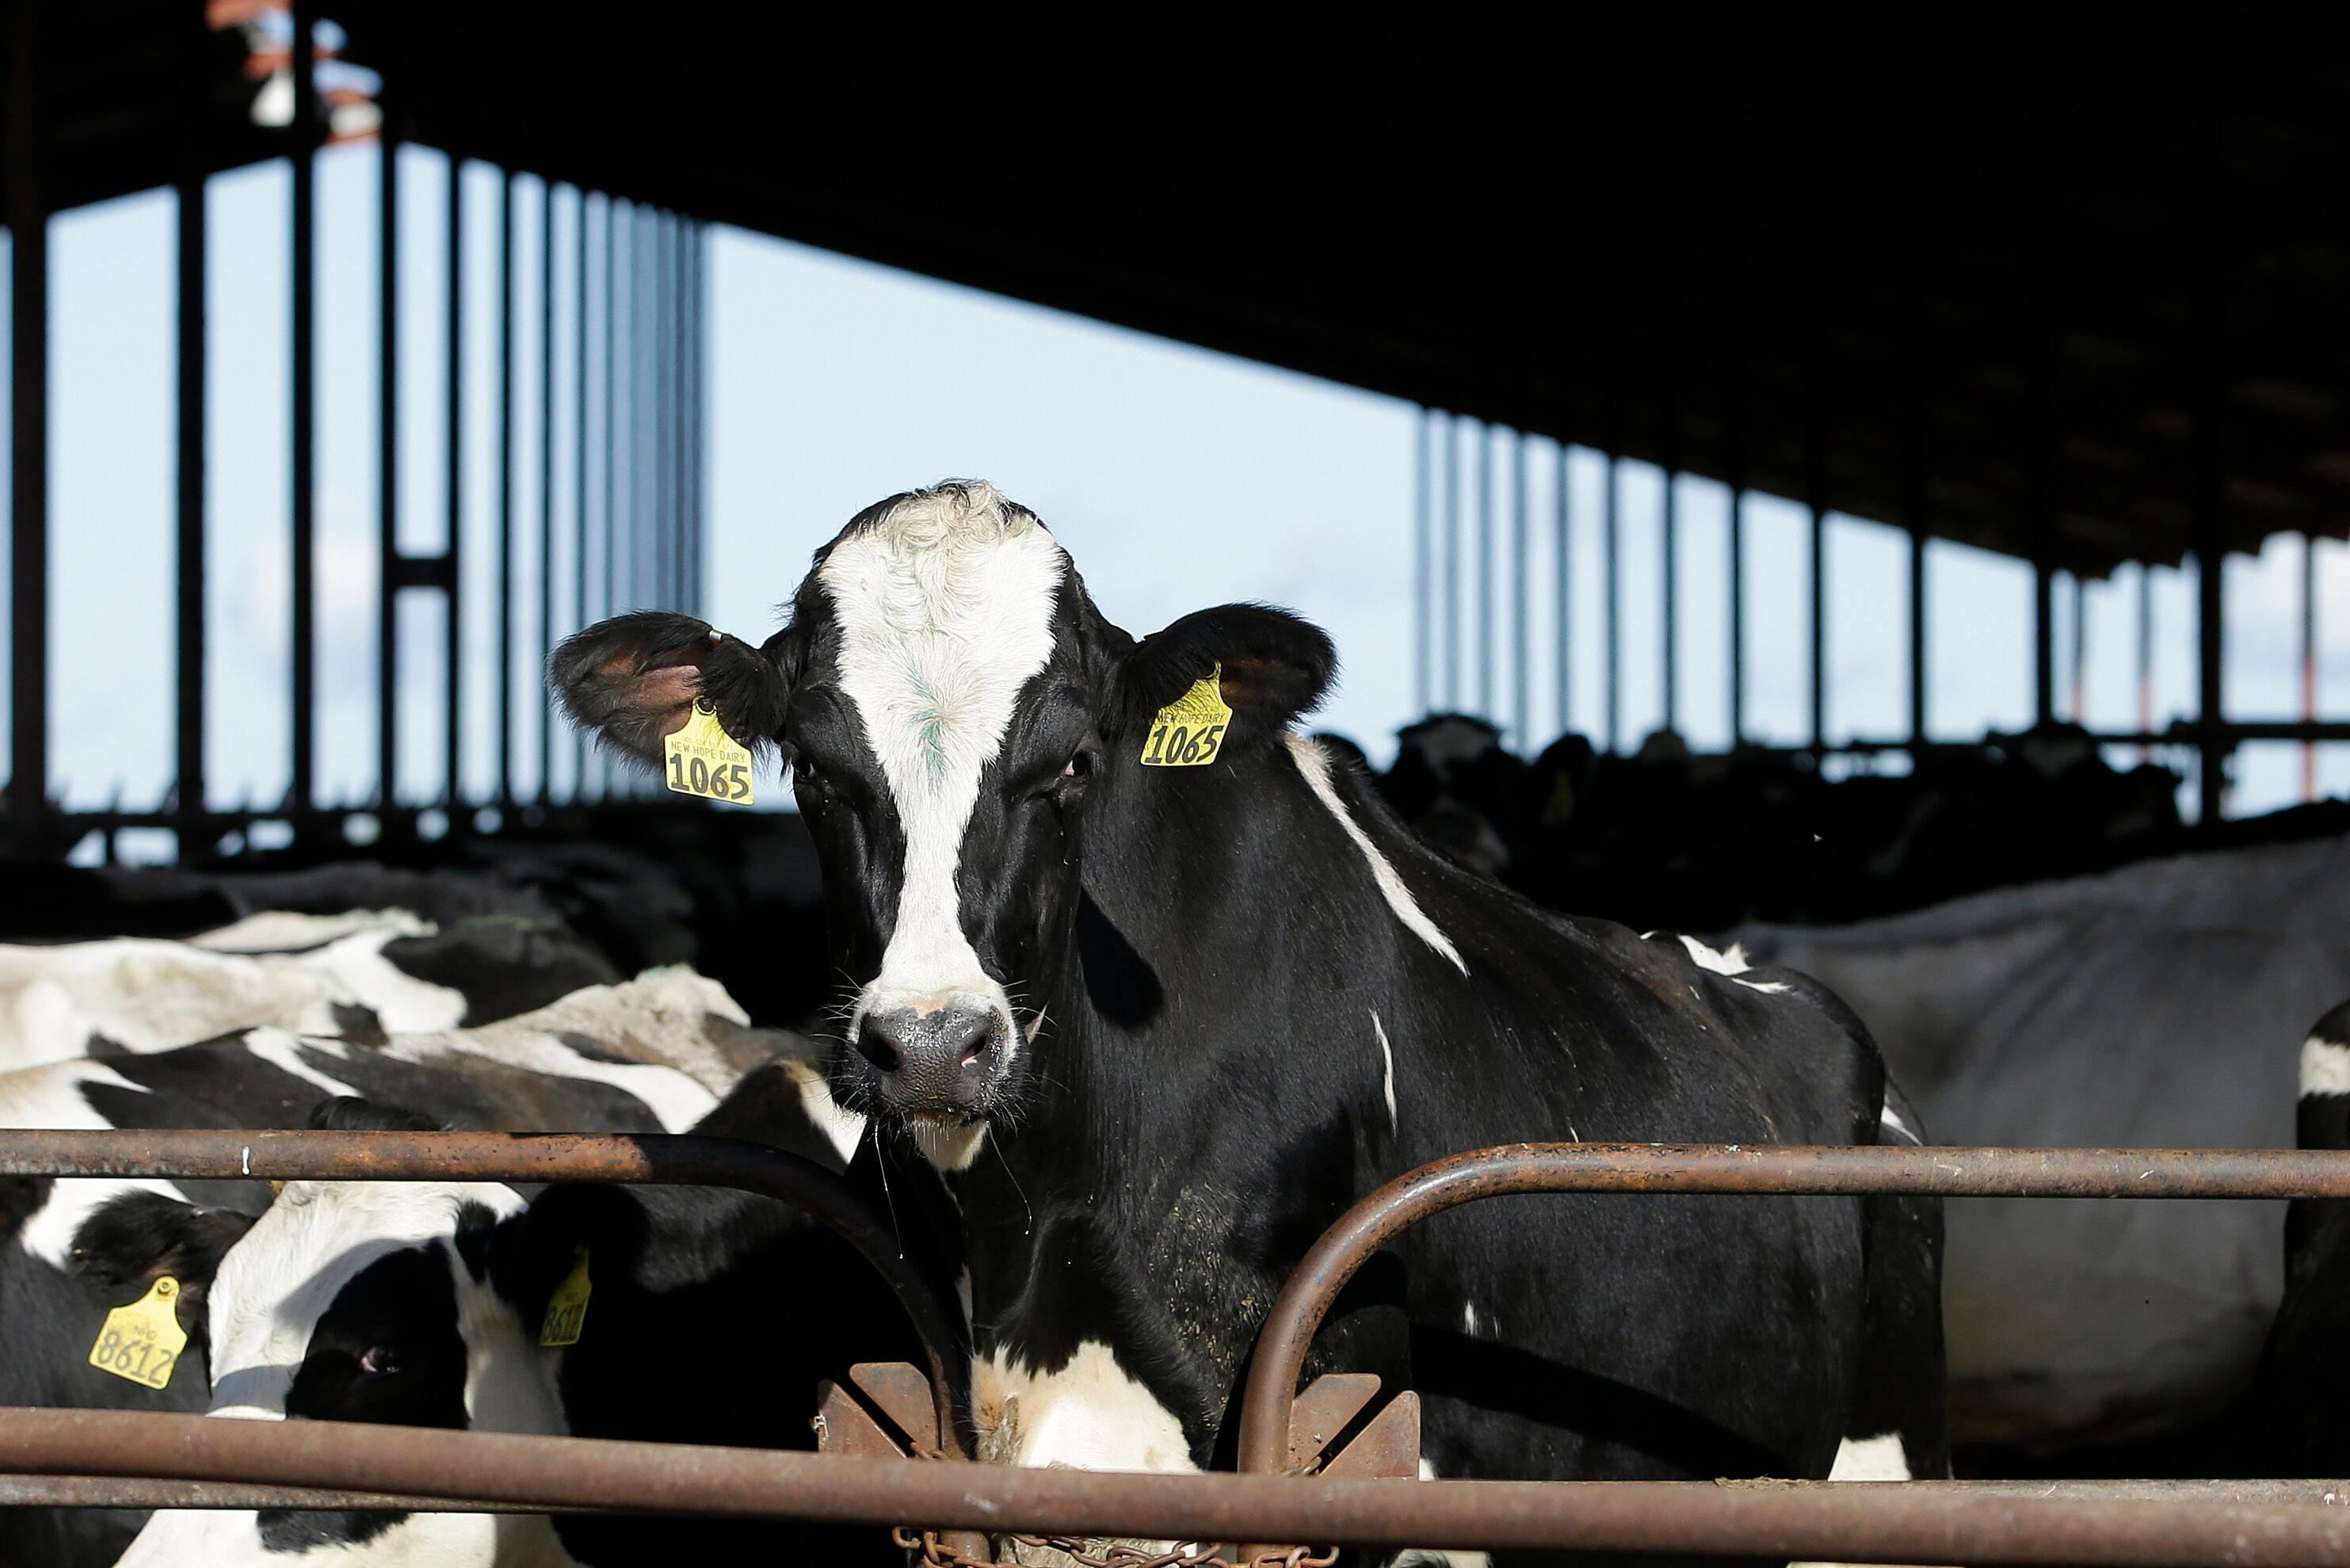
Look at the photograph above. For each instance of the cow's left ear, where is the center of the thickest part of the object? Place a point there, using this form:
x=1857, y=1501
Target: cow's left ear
x=1275, y=668
x=137, y=1237
x=633, y=680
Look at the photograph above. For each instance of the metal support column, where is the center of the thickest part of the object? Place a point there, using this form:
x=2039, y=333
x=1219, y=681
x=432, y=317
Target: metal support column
x=1916, y=462
x=1562, y=587
x=388, y=467
x=2207, y=485
x=1451, y=619
x=301, y=794
x=579, y=469
x=1521, y=683
x=28, y=414
x=545, y=479
x=509, y=206
x=189, y=563
x=455, y=476
x=1424, y=528
x=1613, y=616
x=2308, y=662
x=1485, y=704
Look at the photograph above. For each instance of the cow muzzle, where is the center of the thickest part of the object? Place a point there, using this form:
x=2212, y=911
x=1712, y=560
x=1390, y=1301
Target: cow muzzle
x=937, y=1061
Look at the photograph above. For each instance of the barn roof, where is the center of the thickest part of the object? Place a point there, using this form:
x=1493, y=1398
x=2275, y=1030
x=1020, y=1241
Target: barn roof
x=2033, y=285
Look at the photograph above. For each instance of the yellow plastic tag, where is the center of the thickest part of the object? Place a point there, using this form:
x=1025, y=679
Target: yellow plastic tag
x=1190, y=731
x=567, y=1309
x=704, y=760
x=142, y=1341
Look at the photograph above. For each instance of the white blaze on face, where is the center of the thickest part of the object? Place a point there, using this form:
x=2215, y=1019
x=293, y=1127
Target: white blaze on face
x=945, y=609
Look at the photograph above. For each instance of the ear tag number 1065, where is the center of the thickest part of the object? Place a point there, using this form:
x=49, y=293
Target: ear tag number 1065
x=142, y=1342
x=704, y=760
x=1190, y=731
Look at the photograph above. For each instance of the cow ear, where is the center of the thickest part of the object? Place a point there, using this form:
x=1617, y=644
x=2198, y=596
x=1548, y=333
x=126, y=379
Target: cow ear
x=1275, y=668
x=137, y=1238
x=527, y=1255
x=632, y=680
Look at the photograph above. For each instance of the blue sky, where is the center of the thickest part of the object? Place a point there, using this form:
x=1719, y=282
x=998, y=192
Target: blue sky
x=1177, y=478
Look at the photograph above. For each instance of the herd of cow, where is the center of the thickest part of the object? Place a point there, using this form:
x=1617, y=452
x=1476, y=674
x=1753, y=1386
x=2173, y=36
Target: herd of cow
x=1124, y=990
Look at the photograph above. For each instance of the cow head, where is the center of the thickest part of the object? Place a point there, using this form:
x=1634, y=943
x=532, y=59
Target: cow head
x=367, y=1302
x=945, y=695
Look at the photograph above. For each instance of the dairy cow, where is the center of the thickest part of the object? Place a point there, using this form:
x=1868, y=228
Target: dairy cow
x=654, y=1054
x=1159, y=1025
x=710, y=1317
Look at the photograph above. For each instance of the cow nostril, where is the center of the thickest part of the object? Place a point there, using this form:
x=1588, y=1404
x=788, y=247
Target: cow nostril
x=877, y=1043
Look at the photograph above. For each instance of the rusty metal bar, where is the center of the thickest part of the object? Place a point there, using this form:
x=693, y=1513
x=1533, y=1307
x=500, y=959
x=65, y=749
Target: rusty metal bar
x=1855, y=1522
x=1784, y=1168
x=144, y=1492
x=134, y=1492
x=660, y=1159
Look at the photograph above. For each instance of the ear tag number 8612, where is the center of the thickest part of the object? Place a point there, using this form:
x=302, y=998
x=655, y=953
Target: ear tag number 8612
x=704, y=760
x=1190, y=731
x=142, y=1342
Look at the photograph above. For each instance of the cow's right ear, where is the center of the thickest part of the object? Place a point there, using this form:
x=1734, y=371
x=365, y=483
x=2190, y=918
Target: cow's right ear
x=632, y=680
x=526, y=1256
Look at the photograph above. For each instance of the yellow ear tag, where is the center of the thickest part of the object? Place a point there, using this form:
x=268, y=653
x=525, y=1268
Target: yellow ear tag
x=1190, y=731
x=142, y=1341
x=704, y=760
x=567, y=1309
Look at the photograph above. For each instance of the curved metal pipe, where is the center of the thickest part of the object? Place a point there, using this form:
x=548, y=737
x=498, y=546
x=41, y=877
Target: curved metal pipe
x=674, y=1160
x=1784, y=1168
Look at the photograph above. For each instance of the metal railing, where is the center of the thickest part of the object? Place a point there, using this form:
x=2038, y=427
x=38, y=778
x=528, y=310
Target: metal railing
x=114, y=1458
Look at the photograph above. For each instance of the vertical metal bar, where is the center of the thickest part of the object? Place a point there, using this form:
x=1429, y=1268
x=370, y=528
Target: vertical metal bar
x=545, y=484
x=1423, y=524
x=1486, y=671
x=1735, y=406
x=2145, y=656
x=580, y=473
x=663, y=464
x=387, y=646
x=1915, y=433
x=1612, y=565
x=611, y=442
x=2043, y=631
x=1815, y=457
x=301, y=796
x=28, y=414
x=509, y=205
x=701, y=444
x=189, y=565
x=688, y=596
x=2207, y=486
x=1562, y=587
x=452, y=714
x=2308, y=662
x=1451, y=562
x=1670, y=521
x=1672, y=599
x=1521, y=678
x=2081, y=602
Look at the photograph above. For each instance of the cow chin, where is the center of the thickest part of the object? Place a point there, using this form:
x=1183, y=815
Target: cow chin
x=950, y=1144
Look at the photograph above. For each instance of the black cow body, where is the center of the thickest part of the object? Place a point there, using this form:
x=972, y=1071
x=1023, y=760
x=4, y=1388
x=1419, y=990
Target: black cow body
x=1161, y=1025
x=2303, y=1399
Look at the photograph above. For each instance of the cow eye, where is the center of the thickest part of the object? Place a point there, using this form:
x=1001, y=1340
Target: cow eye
x=382, y=1359
x=1079, y=764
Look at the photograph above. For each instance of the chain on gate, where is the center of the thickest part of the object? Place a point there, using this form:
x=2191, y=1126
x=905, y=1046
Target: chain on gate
x=1328, y=1436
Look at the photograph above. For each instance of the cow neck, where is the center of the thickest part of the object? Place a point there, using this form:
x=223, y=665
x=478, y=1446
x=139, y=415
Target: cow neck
x=1101, y=1213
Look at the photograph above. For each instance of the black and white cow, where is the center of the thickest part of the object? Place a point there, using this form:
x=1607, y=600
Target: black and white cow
x=654, y=1054
x=2302, y=1406
x=360, y=974
x=1162, y=1024
x=711, y=1317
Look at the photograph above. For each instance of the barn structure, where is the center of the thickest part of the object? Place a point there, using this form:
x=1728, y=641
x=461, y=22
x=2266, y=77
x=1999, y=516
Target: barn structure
x=2064, y=293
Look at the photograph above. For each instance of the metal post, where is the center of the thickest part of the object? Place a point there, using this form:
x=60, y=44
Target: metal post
x=1561, y=591
x=700, y=445
x=301, y=796
x=1734, y=441
x=579, y=476
x=189, y=564
x=28, y=414
x=2308, y=662
x=545, y=479
x=388, y=468
x=1613, y=618
x=2207, y=486
x=1915, y=433
x=1485, y=704
x=1451, y=563
x=454, y=631
x=2145, y=656
x=1520, y=677
x=509, y=206
x=2043, y=631
x=611, y=442
x=663, y=468
x=1423, y=473
x=2080, y=671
